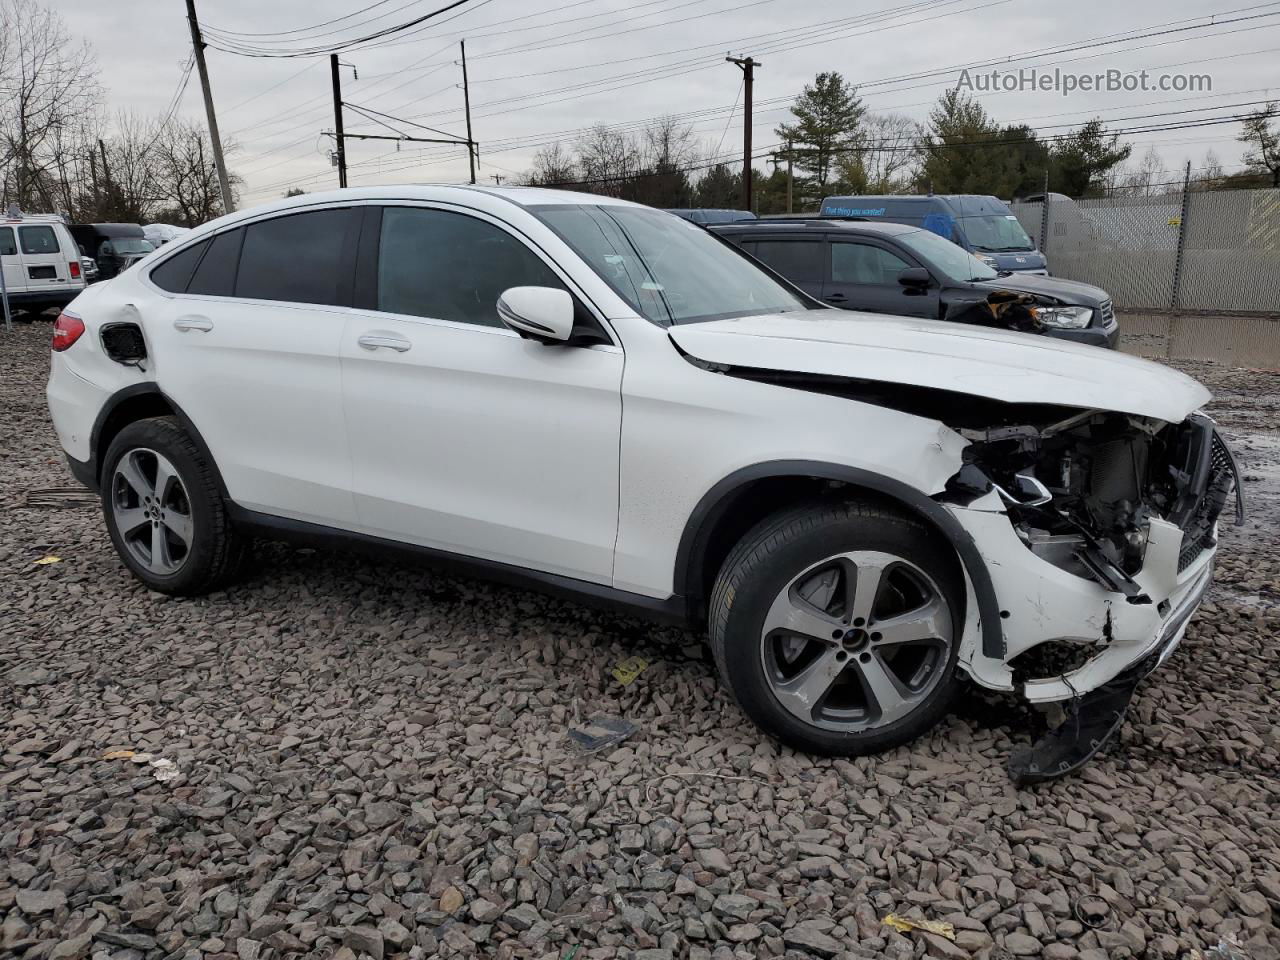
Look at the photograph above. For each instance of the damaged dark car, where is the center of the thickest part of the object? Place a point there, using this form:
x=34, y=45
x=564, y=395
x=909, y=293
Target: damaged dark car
x=911, y=272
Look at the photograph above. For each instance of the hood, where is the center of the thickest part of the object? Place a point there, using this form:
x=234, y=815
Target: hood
x=1014, y=260
x=998, y=364
x=1070, y=292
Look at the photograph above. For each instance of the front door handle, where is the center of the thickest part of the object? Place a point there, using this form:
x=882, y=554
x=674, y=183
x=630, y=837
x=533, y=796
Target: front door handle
x=374, y=341
x=183, y=324
x=835, y=298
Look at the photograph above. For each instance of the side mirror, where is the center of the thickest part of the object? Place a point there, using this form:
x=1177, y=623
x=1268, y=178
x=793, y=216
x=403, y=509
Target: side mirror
x=914, y=277
x=540, y=313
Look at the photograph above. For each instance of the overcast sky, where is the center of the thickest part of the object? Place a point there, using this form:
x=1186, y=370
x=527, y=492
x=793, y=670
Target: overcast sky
x=557, y=58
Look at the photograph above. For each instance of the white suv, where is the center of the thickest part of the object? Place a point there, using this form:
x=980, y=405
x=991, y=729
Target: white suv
x=41, y=262
x=592, y=396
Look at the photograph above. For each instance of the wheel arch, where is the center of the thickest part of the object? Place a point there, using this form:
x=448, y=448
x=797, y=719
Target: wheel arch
x=737, y=502
x=140, y=401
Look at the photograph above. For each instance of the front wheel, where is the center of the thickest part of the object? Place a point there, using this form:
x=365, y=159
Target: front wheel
x=837, y=626
x=164, y=512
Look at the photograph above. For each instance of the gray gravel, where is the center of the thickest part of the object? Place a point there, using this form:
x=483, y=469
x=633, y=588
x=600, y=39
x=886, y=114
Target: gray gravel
x=372, y=760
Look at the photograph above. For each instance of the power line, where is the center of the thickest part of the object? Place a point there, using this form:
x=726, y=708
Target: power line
x=346, y=44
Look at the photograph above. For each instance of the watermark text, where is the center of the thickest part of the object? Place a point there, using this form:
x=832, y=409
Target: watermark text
x=1032, y=79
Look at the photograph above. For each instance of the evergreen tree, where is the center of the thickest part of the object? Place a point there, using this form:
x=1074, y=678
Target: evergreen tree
x=828, y=122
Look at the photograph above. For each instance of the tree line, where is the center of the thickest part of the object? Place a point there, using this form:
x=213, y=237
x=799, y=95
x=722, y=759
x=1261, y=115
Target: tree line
x=59, y=150
x=835, y=145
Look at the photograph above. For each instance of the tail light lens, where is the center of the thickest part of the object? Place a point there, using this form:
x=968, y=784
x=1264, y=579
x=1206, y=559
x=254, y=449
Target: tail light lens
x=66, y=331
x=75, y=269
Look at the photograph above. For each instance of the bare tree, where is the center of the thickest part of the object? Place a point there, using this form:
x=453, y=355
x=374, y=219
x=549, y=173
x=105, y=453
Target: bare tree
x=1148, y=178
x=606, y=159
x=552, y=164
x=1263, y=141
x=48, y=84
x=887, y=161
x=185, y=176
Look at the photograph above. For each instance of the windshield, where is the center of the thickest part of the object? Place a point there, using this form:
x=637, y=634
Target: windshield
x=946, y=257
x=129, y=246
x=996, y=234
x=669, y=270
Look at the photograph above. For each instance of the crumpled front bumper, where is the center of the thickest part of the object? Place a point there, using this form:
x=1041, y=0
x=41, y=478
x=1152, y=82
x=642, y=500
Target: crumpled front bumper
x=1040, y=602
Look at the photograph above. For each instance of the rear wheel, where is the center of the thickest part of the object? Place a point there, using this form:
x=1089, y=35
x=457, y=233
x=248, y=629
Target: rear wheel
x=164, y=512
x=836, y=627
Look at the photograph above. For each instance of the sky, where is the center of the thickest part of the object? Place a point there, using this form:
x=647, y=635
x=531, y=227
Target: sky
x=542, y=69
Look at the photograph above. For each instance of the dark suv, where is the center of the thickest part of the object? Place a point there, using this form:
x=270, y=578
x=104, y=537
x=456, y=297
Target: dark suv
x=908, y=271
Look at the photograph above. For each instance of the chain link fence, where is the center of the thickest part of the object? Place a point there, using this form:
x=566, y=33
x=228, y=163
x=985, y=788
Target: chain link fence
x=1211, y=251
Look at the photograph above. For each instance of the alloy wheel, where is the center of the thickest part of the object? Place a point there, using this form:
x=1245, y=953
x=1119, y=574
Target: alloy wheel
x=152, y=511
x=857, y=641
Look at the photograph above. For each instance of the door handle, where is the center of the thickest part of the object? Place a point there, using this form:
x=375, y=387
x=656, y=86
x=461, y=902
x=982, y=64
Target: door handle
x=835, y=298
x=373, y=341
x=183, y=324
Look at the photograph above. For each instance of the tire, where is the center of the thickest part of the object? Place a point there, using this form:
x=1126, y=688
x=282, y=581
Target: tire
x=859, y=690
x=182, y=543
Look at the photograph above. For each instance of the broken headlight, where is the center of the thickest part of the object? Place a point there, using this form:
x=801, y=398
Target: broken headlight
x=1065, y=318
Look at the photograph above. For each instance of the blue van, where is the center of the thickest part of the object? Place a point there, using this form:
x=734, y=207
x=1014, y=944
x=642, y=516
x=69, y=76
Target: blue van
x=985, y=226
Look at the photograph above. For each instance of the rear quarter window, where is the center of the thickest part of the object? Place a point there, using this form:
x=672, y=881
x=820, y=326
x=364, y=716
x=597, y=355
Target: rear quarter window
x=216, y=274
x=175, y=273
x=7, y=246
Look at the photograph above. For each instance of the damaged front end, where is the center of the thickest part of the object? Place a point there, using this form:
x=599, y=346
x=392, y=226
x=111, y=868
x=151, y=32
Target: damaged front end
x=1099, y=530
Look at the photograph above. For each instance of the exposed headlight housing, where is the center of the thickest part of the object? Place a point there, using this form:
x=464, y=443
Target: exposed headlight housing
x=1067, y=318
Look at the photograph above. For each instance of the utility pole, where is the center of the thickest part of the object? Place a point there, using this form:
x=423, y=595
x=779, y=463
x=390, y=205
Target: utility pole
x=790, y=176
x=337, y=120
x=1175, y=295
x=466, y=99
x=106, y=171
x=497, y=179
x=197, y=47
x=748, y=66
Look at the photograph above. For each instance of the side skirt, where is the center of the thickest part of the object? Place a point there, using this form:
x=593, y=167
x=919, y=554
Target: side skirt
x=671, y=610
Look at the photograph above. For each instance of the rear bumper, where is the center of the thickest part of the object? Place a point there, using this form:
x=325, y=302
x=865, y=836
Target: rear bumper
x=45, y=298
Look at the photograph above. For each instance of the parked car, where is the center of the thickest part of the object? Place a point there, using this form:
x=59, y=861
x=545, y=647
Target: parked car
x=858, y=512
x=709, y=215
x=40, y=262
x=912, y=272
x=158, y=234
x=115, y=246
x=985, y=226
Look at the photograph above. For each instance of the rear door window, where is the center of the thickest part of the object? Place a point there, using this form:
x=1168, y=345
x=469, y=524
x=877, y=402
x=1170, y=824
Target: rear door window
x=38, y=240
x=175, y=273
x=799, y=259
x=216, y=274
x=295, y=258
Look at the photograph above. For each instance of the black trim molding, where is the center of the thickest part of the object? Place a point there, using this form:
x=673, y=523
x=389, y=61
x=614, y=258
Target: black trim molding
x=668, y=610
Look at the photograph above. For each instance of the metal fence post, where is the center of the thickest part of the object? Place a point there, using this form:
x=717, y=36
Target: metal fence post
x=1182, y=240
x=1044, y=216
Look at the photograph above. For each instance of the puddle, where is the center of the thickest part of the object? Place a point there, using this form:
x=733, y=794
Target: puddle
x=1241, y=341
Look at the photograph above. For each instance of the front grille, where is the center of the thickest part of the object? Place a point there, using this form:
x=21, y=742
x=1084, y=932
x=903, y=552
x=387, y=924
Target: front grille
x=1108, y=312
x=1198, y=533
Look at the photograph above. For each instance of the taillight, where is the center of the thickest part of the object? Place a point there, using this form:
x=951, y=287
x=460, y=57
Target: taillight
x=75, y=269
x=66, y=331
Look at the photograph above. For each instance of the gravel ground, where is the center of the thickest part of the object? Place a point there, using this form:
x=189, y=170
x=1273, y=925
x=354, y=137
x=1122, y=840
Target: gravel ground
x=355, y=758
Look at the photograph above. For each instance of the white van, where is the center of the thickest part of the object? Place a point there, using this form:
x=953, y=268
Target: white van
x=42, y=266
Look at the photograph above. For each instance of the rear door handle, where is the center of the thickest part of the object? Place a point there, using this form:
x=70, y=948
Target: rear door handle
x=835, y=298
x=183, y=324
x=375, y=341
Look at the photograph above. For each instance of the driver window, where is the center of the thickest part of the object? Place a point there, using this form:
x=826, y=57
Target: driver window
x=450, y=266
